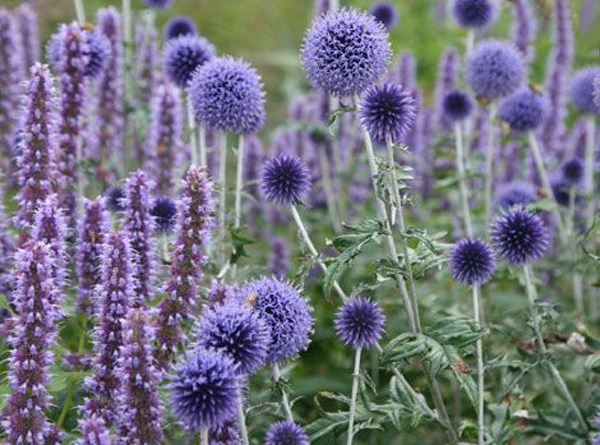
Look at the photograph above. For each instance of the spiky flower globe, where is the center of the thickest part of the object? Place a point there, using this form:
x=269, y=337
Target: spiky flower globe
x=164, y=210
x=237, y=331
x=495, y=69
x=345, y=52
x=183, y=55
x=474, y=13
x=519, y=237
x=114, y=199
x=387, y=111
x=179, y=25
x=524, y=110
x=457, y=105
x=360, y=323
x=572, y=171
x=158, y=4
x=513, y=194
x=385, y=13
x=582, y=90
x=561, y=190
x=284, y=310
x=97, y=52
x=472, y=262
x=286, y=433
x=205, y=389
x=285, y=180
x=227, y=94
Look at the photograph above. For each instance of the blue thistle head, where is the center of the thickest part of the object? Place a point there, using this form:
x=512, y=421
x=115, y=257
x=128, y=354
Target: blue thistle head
x=114, y=199
x=285, y=180
x=385, y=13
x=474, y=13
x=572, y=171
x=286, y=433
x=457, y=105
x=524, y=110
x=97, y=51
x=519, y=237
x=582, y=89
x=360, y=323
x=472, y=261
x=514, y=194
x=164, y=211
x=179, y=25
x=183, y=55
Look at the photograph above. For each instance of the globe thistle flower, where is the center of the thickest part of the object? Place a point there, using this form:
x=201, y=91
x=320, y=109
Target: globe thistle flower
x=32, y=340
x=194, y=221
x=286, y=433
x=37, y=144
x=220, y=293
x=148, y=75
x=494, y=69
x=519, y=237
x=582, y=90
x=524, y=110
x=457, y=105
x=572, y=171
x=446, y=81
x=385, y=13
x=27, y=26
x=163, y=211
x=205, y=390
x=238, y=332
x=344, y=52
x=140, y=409
x=179, y=25
x=97, y=52
x=284, y=310
x=114, y=199
x=139, y=226
x=93, y=432
x=360, y=323
x=387, y=112
x=183, y=55
x=285, y=180
x=114, y=296
x=158, y=4
x=279, y=258
x=474, y=13
x=226, y=94
x=91, y=235
x=514, y=194
x=472, y=262
x=524, y=28
x=165, y=137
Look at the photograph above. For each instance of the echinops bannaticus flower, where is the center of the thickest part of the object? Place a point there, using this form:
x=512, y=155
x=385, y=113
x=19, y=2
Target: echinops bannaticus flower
x=573, y=171
x=163, y=211
x=114, y=199
x=286, y=433
x=179, y=25
x=474, y=13
x=514, y=193
x=359, y=323
x=183, y=55
x=457, y=105
x=519, y=237
x=582, y=90
x=524, y=110
x=472, y=261
x=386, y=13
x=285, y=180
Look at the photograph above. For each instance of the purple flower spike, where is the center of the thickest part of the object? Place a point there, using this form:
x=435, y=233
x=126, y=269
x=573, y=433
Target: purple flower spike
x=472, y=262
x=180, y=25
x=582, y=90
x=524, y=28
x=286, y=433
x=194, y=221
x=140, y=410
x=360, y=323
x=183, y=55
x=519, y=237
x=446, y=81
x=115, y=296
x=345, y=52
x=227, y=434
x=37, y=145
x=474, y=13
x=524, y=110
x=94, y=432
x=92, y=233
x=147, y=66
x=32, y=340
x=28, y=33
x=279, y=259
x=158, y=4
x=220, y=293
x=165, y=138
x=285, y=180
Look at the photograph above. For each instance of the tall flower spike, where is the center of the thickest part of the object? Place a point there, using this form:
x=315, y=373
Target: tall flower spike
x=92, y=232
x=194, y=222
x=6, y=251
x=446, y=81
x=32, y=340
x=115, y=295
x=165, y=137
x=72, y=92
x=9, y=84
x=93, y=432
x=279, y=257
x=146, y=63
x=524, y=28
x=140, y=410
x=139, y=226
x=37, y=145
x=28, y=33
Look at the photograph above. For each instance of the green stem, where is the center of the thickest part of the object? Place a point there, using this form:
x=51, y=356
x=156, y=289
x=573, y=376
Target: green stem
x=242, y=422
x=204, y=436
x=480, y=369
x=202, y=144
x=489, y=164
x=355, y=381
x=284, y=397
x=327, y=187
x=239, y=182
x=80, y=12
x=222, y=196
x=589, y=170
x=192, y=132
x=462, y=179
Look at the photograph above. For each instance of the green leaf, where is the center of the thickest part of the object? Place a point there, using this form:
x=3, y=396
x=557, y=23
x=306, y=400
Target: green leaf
x=333, y=115
x=239, y=242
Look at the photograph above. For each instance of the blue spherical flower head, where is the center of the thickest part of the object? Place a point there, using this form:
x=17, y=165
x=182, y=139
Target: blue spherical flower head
x=179, y=25
x=572, y=171
x=227, y=94
x=158, y=4
x=385, y=13
x=345, y=52
x=582, y=90
x=515, y=194
x=561, y=190
x=205, y=389
x=286, y=433
x=281, y=306
x=163, y=211
x=474, y=13
x=360, y=323
x=457, y=105
x=114, y=199
x=387, y=112
x=97, y=53
x=472, y=262
x=495, y=69
x=183, y=55
x=285, y=180
x=237, y=331
x=524, y=110
x=519, y=237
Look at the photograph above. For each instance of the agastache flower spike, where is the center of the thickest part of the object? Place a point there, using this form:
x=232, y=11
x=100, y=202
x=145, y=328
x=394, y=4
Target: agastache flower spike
x=9, y=82
x=32, y=340
x=115, y=295
x=28, y=33
x=165, y=137
x=194, y=222
x=92, y=232
x=140, y=412
x=147, y=62
x=524, y=28
x=94, y=432
x=139, y=226
x=38, y=144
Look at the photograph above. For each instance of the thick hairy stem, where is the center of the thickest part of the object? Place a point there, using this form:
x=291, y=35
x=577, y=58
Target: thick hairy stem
x=470, y=44
x=202, y=144
x=192, y=131
x=222, y=196
x=239, y=185
x=80, y=11
x=462, y=179
x=480, y=369
x=329, y=196
x=355, y=380
x=204, y=436
x=489, y=164
x=284, y=397
x=571, y=234
x=128, y=80
x=242, y=422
